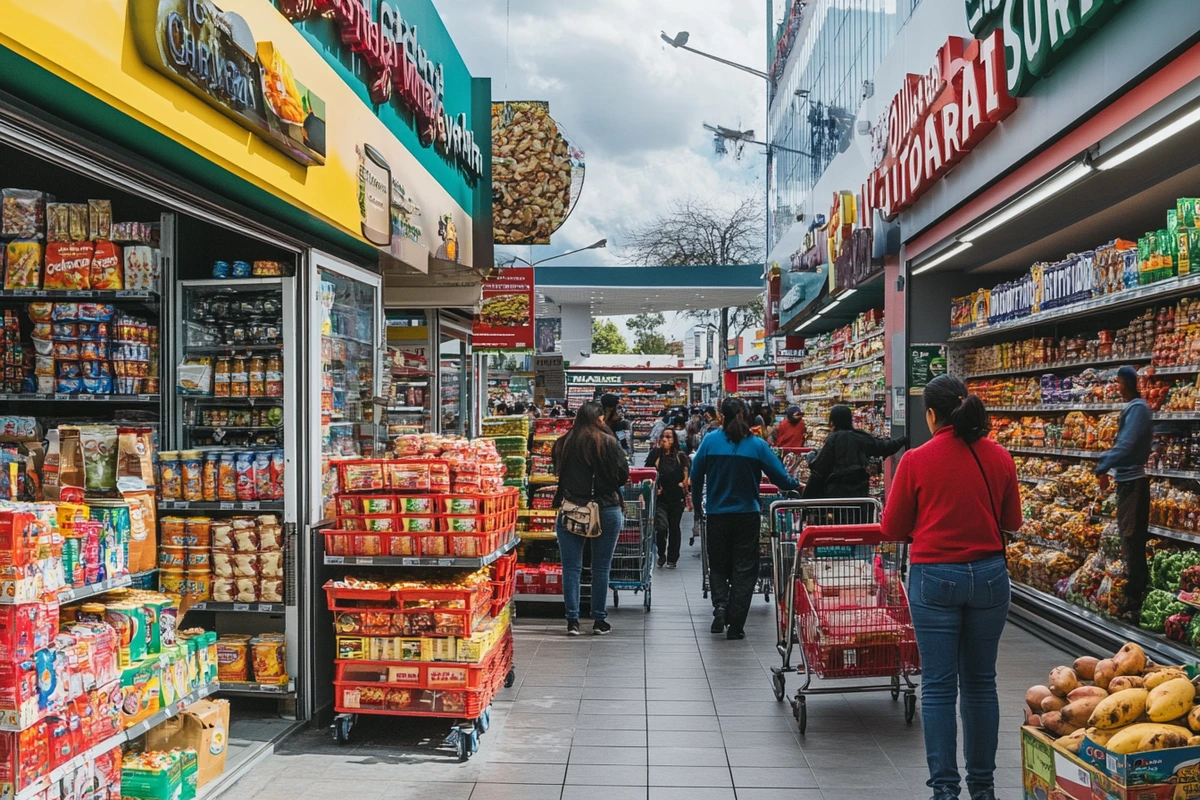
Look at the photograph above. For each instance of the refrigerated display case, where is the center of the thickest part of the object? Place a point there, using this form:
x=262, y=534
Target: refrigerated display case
x=456, y=376
x=346, y=358
x=407, y=378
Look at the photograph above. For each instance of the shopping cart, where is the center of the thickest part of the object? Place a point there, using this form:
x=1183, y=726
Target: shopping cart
x=767, y=494
x=840, y=595
x=634, y=557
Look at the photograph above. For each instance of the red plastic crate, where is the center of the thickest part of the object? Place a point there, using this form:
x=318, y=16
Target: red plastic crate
x=362, y=543
x=428, y=674
x=374, y=697
x=409, y=621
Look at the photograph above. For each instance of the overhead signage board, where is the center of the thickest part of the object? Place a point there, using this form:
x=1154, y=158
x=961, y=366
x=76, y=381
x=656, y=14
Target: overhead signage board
x=799, y=291
x=212, y=53
x=549, y=376
x=505, y=317
x=595, y=380
x=1038, y=34
x=938, y=117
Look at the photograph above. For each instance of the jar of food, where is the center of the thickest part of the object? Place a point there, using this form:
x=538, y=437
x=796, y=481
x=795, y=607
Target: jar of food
x=221, y=377
x=275, y=375
x=239, y=377
x=258, y=376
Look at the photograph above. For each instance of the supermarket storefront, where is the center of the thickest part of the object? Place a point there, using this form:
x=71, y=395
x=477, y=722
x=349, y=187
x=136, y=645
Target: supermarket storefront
x=1047, y=234
x=242, y=224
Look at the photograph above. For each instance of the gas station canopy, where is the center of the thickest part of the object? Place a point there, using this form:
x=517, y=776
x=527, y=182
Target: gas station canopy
x=616, y=291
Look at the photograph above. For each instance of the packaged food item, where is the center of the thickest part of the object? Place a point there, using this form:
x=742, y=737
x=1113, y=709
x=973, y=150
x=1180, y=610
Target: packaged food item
x=68, y=265
x=378, y=505
x=270, y=662
x=268, y=269
x=222, y=535
x=141, y=268
x=270, y=590
x=274, y=382
x=413, y=524
x=99, y=457
x=223, y=590
x=245, y=477
x=245, y=536
x=106, y=267
x=24, y=265
x=233, y=658
x=22, y=213
x=270, y=564
x=227, y=482
x=192, y=465
x=258, y=376
x=277, y=467
x=195, y=376
x=78, y=222
x=262, y=475
x=172, y=529
x=365, y=477
x=212, y=462
x=270, y=537
x=460, y=505
x=221, y=377
x=247, y=589
x=170, y=476
x=172, y=557
x=58, y=222
x=198, y=532
x=240, y=269
x=409, y=477
x=239, y=377
x=99, y=219
x=222, y=564
x=462, y=524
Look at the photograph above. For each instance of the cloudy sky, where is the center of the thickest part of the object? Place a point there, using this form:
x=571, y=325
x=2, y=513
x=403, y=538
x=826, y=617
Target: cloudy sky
x=632, y=102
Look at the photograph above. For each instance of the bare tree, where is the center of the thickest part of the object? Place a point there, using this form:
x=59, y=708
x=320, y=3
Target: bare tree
x=694, y=233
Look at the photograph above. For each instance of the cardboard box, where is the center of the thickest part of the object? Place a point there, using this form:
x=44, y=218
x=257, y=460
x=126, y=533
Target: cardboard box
x=1097, y=774
x=204, y=727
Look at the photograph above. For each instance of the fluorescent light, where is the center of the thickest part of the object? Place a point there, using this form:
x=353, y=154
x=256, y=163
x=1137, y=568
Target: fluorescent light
x=1042, y=193
x=811, y=321
x=831, y=306
x=846, y=294
x=946, y=256
x=1159, y=136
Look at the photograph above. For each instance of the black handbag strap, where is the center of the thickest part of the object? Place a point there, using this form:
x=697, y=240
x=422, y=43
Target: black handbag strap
x=991, y=497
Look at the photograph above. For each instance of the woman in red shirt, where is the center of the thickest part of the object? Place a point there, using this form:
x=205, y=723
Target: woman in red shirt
x=952, y=498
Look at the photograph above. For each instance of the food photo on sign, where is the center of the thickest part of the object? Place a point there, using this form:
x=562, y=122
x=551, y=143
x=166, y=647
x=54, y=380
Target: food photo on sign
x=537, y=174
x=504, y=320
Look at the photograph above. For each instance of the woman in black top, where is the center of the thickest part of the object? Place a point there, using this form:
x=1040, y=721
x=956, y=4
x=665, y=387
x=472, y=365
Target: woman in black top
x=840, y=468
x=590, y=465
x=673, y=495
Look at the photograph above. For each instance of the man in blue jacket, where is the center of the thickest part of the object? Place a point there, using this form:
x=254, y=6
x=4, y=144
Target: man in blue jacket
x=1127, y=461
x=726, y=470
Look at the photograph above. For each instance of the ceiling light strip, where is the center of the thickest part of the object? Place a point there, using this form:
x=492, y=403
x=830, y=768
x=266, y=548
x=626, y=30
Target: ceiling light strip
x=1043, y=192
x=941, y=259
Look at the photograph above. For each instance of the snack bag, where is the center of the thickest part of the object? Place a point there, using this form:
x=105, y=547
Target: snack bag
x=22, y=213
x=24, y=265
x=99, y=219
x=106, y=267
x=68, y=265
x=141, y=268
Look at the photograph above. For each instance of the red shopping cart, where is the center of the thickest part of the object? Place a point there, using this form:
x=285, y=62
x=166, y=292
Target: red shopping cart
x=841, y=597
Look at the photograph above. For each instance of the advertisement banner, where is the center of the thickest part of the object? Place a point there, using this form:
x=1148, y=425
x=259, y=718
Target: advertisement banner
x=549, y=377
x=800, y=289
x=505, y=318
x=925, y=362
x=537, y=174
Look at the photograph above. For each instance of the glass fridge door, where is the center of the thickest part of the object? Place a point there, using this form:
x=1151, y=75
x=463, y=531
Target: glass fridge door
x=346, y=325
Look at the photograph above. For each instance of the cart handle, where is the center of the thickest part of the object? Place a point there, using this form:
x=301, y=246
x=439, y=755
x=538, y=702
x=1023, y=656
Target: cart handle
x=639, y=474
x=833, y=535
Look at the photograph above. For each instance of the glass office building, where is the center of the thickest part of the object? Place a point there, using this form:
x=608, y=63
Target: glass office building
x=837, y=47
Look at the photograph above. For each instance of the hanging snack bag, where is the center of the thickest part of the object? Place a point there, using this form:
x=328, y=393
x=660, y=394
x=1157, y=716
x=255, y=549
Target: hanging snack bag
x=68, y=265
x=106, y=267
x=24, y=265
x=58, y=222
x=22, y=213
x=99, y=457
x=99, y=220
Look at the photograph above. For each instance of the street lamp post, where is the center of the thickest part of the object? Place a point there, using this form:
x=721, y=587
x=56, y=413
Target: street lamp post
x=600, y=245
x=679, y=41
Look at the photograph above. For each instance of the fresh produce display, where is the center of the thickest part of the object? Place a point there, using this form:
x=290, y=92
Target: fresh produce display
x=1124, y=704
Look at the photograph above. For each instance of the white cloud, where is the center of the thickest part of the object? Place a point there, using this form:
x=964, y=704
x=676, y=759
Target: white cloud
x=635, y=104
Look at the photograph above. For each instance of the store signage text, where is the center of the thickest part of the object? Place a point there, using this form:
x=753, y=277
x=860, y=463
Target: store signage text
x=1038, y=34
x=939, y=117
x=399, y=67
x=606, y=380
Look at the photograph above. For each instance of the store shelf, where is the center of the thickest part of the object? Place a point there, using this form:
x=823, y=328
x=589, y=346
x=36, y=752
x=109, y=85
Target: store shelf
x=208, y=399
x=1054, y=366
x=1177, y=369
x=1045, y=452
x=1160, y=290
x=224, y=505
x=1171, y=533
x=62, y=397
x=1056, y=408
x=236, y=687
x=228, y=348
x=412, y=561
x=235, y=428
x=346, y=338
x=248, y=608
x=839, y=365
x=1174, y=473
x=409, y=409
x=521, y=597
x=1095, y=629
x=538, y=536
x=78, y=294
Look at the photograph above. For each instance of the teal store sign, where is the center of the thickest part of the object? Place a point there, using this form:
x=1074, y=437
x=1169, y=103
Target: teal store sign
x=399, y=58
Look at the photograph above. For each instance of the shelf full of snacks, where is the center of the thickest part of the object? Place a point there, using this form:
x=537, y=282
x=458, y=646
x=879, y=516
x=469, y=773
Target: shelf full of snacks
x=407, y=379
x=434, y=640
x=1055, y=405
x=539, y=548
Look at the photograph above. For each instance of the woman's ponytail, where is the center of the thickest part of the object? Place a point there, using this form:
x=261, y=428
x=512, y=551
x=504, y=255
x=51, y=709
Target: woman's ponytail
x=953, y=406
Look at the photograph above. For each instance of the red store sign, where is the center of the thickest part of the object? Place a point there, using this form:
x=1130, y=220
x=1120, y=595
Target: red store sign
x=939, y=117
x=505, y=317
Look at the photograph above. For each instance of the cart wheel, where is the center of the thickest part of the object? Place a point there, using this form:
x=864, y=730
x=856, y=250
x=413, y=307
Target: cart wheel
x=895, y=687
x=510, y=678
x=341, y=729
x=910, y=707
x=462, y=746
x=802, y=712
x=777, y=684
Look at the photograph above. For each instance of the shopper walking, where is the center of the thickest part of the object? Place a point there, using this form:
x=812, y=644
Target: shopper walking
x=591, y=467
x=673, y=467
x=1127, y=461
x=791, y=433
x=840, y=468
x=952, y=498
x=725, y=478
x=617, y=423
x=659, y=426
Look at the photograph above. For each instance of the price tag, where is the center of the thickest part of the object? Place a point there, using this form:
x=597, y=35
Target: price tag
x=145, y=398
x=364, y=561
x=78, y=293
x=241, y=606
x=200, y=606
x=410, y=562
x=226, y=505
x=445, y=562
x=62, y=396
x=87, y=396
x=335, y=559
x=250, y=505
x=183, y=503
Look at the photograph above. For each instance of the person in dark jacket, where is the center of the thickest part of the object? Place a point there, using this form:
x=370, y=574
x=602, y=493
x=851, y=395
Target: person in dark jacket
x=840, y=467
x=590, y=465
x=616, y=422
x=1127, y=460
x=673, y=466
x=725, y=476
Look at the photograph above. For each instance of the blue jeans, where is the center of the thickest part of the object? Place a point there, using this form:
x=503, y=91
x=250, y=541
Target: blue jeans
x=959, y=611
x=571, y=548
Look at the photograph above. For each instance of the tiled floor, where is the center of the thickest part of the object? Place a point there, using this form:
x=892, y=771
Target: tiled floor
x=659, y=710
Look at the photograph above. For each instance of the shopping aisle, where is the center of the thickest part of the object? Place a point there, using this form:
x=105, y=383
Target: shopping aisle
x=659, y=710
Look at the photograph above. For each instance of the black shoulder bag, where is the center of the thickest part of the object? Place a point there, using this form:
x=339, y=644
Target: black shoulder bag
x=991, y=499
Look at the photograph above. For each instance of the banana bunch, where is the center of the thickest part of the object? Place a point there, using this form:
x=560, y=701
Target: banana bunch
x=1125, y=703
